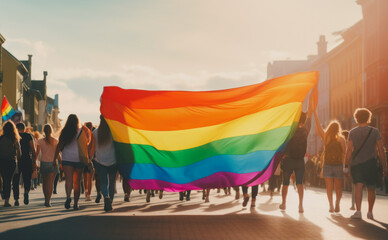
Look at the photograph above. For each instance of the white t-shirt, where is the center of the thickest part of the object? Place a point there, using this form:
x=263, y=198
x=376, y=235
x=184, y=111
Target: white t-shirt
x=105, y=155
x=70, y=150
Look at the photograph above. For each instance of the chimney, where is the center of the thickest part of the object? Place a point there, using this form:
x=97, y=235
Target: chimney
x=56, y=101
x=29, y=68
x=45, y=76
x=322, y=46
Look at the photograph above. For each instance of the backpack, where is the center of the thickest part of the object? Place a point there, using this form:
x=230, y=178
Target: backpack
x=333, y=153
x=297, y=147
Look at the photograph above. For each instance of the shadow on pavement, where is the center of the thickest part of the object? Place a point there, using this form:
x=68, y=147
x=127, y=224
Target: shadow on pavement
x=360, y=228
x=242, y=226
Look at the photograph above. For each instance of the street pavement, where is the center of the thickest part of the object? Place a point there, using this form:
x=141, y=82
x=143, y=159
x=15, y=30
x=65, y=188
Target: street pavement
x=168, y=218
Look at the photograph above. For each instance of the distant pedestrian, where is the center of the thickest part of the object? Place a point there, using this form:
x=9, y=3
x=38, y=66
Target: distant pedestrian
x=88, y=172
x=48, y=165
x=105, y=161
x=71, y=164
x=26, y=164
x=10, y=152
x=294, y=158
x=334, y=155
x=361, y=156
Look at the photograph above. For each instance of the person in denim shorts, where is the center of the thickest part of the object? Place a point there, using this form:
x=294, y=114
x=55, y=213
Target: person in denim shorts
x=334, y=152
x=364, y=144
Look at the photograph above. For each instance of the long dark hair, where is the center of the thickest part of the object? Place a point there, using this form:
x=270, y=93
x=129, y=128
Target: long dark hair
x=47, y=129
x=10, y=132
x=69, y=131
x=103, y=132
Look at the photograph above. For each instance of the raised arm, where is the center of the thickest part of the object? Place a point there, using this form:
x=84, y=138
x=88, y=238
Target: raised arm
x=318, y=126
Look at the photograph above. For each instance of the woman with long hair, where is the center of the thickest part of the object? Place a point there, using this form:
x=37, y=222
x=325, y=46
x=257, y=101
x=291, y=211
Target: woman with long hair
x=334, y=156
x=88, y=172
x=71, y=164
x=48, y=165
x=105, y=161
x=10, y=152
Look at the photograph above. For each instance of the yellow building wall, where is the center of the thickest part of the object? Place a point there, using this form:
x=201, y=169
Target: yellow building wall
x=11, y=80
x=346, y=83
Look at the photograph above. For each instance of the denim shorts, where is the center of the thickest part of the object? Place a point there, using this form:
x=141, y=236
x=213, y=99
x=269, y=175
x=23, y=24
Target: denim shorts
x=73, y=164
x=47, y=167
x=333, y=171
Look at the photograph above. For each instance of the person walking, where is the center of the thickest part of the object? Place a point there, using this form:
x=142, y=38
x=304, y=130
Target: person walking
x=71, y=164
x=105, y=161
x=10, y=152
x=334, y=155
x=26, y=164
x=361, y=155
x=294, y=157
x=255, y=190
x=48, y=165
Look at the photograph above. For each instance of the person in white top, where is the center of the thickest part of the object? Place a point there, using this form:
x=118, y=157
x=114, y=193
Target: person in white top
x=105, y=161
x=48, y=165
x=72, y=167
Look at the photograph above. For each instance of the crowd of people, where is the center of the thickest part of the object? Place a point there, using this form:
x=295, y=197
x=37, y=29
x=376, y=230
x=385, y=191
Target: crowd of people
x=349, y=161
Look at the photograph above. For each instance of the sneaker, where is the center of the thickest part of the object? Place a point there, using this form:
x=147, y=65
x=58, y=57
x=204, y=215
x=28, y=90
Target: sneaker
x=16, y=202
x=7, y=204
x=107, y=204
x=26, y=201
x=98, y=198
x=55, y=192
x=76, y=207
x=67, y=203
x=356, y=215
x=181, y=196
x=126, y=198
x=370, y=215
x=47, y=204
x=188, y=198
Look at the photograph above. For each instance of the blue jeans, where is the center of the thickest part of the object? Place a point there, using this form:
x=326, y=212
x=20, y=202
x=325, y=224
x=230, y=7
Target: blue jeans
x=107, y=176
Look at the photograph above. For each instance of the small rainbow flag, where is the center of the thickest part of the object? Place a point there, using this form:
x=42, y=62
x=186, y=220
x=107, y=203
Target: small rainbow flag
x=181, y=140
x=6, y=110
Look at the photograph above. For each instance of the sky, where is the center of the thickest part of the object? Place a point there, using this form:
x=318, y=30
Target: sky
x=163, y=45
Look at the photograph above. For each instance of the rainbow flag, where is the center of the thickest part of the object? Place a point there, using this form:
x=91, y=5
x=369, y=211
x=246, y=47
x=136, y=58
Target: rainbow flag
x=181, y=140
x=6, y=110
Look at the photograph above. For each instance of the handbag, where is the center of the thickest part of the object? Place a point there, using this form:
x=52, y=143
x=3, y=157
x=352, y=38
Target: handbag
x=82, y=141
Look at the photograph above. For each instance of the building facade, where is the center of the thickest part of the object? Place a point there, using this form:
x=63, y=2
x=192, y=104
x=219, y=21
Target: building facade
x=345, y=63
x=375, y=62
x=14, y=73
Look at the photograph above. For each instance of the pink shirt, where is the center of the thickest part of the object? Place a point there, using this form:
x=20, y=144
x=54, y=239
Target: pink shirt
x=48, y=150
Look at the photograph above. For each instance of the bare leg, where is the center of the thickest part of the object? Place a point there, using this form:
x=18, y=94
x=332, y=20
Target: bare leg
x=329, y=191
x=358, y=195
x=300, y=193
x=338, y=183
x=69, y=171
x=371, y=199
x=77, y=184
x=207, y=195
x=284, y=197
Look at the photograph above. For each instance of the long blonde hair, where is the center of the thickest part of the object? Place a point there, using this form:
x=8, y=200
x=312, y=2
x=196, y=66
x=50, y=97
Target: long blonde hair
x=333, y=131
